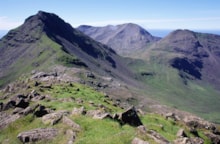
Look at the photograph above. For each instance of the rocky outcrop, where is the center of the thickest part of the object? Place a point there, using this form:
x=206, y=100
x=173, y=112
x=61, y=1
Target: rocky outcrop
x=185, y=140
x=198, y=123
x=37, y=134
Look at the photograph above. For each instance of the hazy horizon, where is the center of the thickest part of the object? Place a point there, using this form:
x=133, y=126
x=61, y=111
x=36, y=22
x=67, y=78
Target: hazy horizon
x=155, y=32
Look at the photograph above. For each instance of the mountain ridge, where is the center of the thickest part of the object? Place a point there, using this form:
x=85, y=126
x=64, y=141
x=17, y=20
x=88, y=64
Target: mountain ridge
x=124, y=38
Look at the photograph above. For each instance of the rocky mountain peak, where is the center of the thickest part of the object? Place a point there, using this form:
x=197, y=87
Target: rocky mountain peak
x=132, y=26
x=181, y=35
x=52, y=24
x=124, y=38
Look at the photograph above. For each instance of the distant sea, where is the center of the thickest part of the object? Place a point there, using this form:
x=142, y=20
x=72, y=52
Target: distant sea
x=2, y=33
x=163, y=33
x=154, y=32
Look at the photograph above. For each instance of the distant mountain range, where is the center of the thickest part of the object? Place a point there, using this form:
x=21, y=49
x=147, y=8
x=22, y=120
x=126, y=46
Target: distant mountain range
x=183, y=66
x=180, y=70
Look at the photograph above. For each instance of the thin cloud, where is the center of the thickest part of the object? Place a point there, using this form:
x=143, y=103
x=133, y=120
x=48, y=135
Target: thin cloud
x=159, y=23
x=7, y=24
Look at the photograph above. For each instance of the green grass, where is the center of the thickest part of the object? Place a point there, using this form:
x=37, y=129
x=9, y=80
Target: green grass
x=166, y=86
x=103, y=132
x=73, y=92
x=41, y=55
x=167, y=128
x=22, y=124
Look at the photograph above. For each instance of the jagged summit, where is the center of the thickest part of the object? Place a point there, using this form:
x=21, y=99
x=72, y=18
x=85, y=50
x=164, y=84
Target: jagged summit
x=124, y=38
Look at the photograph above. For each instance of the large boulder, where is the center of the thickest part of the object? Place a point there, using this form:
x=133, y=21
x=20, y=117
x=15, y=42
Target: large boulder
x=130, y=117
x=37, y=134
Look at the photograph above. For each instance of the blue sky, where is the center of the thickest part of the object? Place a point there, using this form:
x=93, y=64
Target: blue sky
x=151, y=14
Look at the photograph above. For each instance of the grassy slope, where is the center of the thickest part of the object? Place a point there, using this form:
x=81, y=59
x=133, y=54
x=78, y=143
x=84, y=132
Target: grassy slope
x=93, y=131
x=166, y=86
x=39, y=56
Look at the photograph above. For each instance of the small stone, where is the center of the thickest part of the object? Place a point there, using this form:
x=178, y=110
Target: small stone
x=138, y=141
x=181, y=133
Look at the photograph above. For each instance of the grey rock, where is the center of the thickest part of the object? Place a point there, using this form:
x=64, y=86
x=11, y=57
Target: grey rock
x=17, y=110
x=71, y=123
x=52, y=118
x=37, y=135
x=71, y=136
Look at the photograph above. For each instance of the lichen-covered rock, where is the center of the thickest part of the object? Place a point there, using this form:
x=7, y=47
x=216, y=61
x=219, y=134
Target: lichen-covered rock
x=71, y=136
x=183, y=140
x=6, y=119
x=71, y=123
x=78, y=111
x=142, y=130
x=157, y=137
x=37, y=135
x=52, y=118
